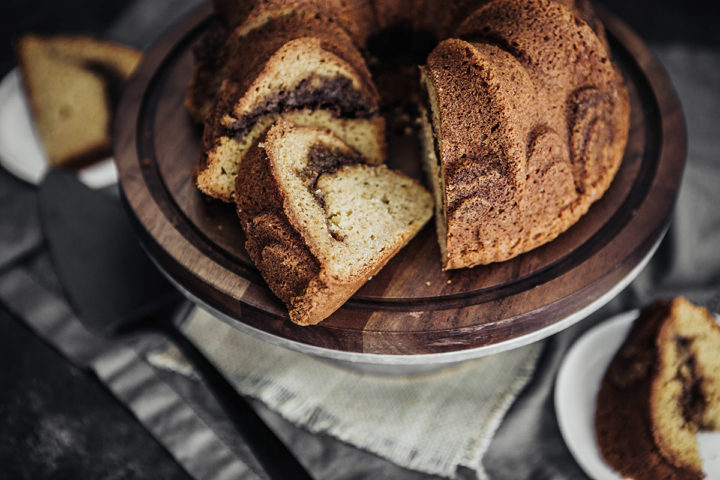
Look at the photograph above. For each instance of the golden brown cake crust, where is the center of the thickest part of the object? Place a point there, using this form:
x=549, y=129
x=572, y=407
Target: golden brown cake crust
x=272, y=242
x=72, y=83
x=441, y=18
x=532, y=124
x=356, y=17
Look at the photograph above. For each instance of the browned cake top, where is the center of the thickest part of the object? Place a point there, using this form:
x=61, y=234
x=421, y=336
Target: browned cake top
x=568, y=65
x=357, y=17
x=532, y=124
x=278, y=251
x=221, y=56
x=442, y=18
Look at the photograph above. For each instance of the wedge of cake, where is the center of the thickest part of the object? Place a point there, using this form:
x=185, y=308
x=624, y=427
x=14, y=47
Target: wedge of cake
x=685, y=391
x=661, y=388
x=311, y=80
x=73, y=84
x=319, y=219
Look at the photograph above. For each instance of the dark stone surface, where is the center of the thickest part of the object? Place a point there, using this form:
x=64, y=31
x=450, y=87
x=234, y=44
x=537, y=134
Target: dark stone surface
x=58, y=421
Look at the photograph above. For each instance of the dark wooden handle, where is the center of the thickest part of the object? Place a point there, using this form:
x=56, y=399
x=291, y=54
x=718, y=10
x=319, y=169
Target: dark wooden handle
x=274, y=456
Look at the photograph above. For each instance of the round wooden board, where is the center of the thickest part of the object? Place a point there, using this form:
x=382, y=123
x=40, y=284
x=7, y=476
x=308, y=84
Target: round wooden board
x=411, y=308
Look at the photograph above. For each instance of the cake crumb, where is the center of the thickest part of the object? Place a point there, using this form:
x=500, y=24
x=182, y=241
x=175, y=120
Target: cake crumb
x=449, y=282
x=427, y=283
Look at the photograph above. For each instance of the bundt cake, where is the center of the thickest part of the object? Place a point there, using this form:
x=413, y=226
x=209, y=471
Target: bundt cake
x=524, y=123
x=319, y=220
x=528, y=122
x=661, y=387
x=73, y=84
x=523, y=117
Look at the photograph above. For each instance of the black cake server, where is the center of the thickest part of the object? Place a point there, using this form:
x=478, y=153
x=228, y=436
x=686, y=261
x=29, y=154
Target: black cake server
x=116, y=290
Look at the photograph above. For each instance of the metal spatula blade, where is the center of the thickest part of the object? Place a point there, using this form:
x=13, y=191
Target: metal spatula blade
x=115, y=289
x=106, y=274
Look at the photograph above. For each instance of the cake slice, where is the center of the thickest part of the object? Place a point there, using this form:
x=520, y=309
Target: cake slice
x=305, y=80
x=661, y=387
x=220, y=54
x=685, y=391
x=73, y=84
x=357, y=17
x=319, y=220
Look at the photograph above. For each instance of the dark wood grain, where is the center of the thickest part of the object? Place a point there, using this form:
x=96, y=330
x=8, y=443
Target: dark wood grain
x=411, y=306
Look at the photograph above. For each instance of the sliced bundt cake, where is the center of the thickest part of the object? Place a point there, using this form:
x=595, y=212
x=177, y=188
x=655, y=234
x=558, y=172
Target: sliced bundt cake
x=524, y=123
x=305, y=80
x=661, y=387
x=527, y=126
x=319, y=220
x=73, y=84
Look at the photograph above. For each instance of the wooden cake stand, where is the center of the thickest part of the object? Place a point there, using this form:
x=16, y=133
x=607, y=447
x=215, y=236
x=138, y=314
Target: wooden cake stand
x=411, y=313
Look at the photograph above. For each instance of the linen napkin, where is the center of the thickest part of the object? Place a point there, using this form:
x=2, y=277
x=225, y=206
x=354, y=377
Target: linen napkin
x=433, y=423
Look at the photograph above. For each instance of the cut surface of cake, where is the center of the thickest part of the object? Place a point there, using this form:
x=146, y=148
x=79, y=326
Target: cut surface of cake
x=320, y=220
x=660, y=389
x=73, y=84
x=307, y=80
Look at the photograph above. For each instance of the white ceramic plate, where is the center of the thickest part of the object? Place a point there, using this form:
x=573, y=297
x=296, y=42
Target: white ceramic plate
x=577, y=386
x=21, y=152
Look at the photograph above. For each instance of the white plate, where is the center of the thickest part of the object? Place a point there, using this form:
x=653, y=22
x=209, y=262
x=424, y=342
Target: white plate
x=577, y=386
x=21, y=152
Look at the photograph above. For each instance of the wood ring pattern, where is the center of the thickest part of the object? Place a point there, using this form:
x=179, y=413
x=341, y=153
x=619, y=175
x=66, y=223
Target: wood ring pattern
x=411, y=307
